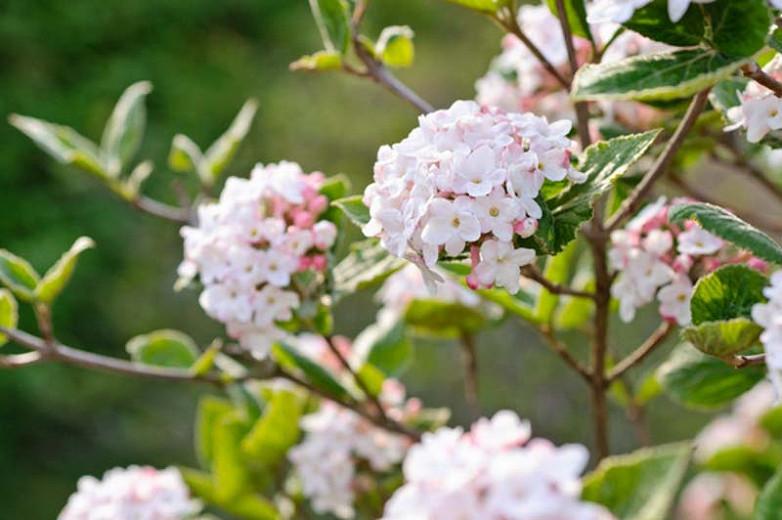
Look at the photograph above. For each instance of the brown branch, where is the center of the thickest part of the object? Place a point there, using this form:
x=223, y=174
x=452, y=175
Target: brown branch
x=639, y=354
x=662, y=163
x=755, y=73
x=470, y=355
x=747, y=360
x=562, y=351
x=582, y=110
x=534, y=274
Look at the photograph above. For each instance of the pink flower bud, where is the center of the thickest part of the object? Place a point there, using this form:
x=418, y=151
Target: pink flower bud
x=319, y=262
x=318, y=204
x=305, y=263
x=682, y=263
x=302, y=219
x=526, y=227
x=757, y=264
x=472, y=282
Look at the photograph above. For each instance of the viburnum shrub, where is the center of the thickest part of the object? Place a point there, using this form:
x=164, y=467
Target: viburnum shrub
x=572, y=194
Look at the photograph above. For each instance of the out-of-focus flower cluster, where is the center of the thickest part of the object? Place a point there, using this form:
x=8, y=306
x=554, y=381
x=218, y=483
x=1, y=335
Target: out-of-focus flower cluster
x=708, y=494
x=135, y=493
x=760, y=111
x=466, y=179
x=493, y=472
x=620, y=11
x=516, y=80
x=248, y=247
x=657, y=258
x=339, y=442
x=769, y=316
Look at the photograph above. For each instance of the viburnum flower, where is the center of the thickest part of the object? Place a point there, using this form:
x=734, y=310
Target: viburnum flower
x=760, y=111
x=620, y=11
x=769, y=316
x=249, y=246
x=656, y=258
x=338, y=440
x=493, y=472
x=465, y=178
x=135, y=493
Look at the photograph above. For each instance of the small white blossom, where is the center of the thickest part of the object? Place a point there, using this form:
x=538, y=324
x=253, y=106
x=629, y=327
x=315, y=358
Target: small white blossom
x=620, y=11
x=698, y=241
x=760, y=111
x=769, y=316
x=675, y=300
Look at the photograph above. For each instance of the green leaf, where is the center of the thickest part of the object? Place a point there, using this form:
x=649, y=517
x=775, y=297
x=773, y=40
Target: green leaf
x=333, y=20
x=247, y=506
x=727, y=293
x=653, y=22
x=726, y=225
x=289, y=359
x=276, y=431
x=395, y=46
x=229, y=468
x=318, y=61
x=367, y=265
x=164, y=348
x=661, y=76
x=63, y=143
x=335, y=187
x=443, y=319
x=354, y=208
x=775, y=40
x=124, y=130
x=18, y=275
x=185, y=156
x=771, y=421
x=725, y=95
x=739, y=27
x=641, y=485
x=387, y=347
x=758, y=464
x=511, y=303
x=9, y=313
x=558, y=272
x=576, y=16
x=222, y=151
x=211, y=409
x=769, y=503
x=484, y=6
x=704, y=382
x=723, y=338
x=58, y=276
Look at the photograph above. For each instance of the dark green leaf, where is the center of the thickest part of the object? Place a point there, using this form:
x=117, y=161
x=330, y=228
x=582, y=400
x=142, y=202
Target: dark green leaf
x=653, y=22
x=726, y=225
x=124, y=130
x=290, y=359
x=165, y=348
x=58, y=276
x=727, y=293
x=739, y=27
x=641, y=485
x=769, y=503
x=576, y=16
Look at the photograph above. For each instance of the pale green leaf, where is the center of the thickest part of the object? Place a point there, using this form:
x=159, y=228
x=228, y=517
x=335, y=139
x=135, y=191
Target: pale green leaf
x=9, y=313
x=58, y=276
x=276, y=431
x=395, y=46
x=124, y=130
x=723, y=338
x=222, y=151
x=18, y=275
x=318, y=61
x=444, y=319
x=727, y=293
x=641, y=485
x=484, y=6
x=165, y=348
x=333, y=20
x=211, y=409
x=769, y=503
x=247, y=506
x=354, y=208
x=229, y=467
x=185, y=155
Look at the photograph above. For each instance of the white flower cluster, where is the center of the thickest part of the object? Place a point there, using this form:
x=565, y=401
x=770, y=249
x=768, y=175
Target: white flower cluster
x=769, y=316
x=467, y=177
x=760, y=111
x=337, y=439
x=654, y=257
x=620, y=11
x=492, y=472
x=135, y=493
x=250, y=243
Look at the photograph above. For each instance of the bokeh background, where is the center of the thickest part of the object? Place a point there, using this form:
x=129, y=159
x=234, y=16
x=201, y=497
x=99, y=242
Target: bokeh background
x=68, y=62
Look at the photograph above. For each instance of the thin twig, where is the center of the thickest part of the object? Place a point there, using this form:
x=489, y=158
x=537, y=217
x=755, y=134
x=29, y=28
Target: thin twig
x=662, y=163
x=747, y=360
x=562, y=351
x=582, y=110
x=639, y=354
x=161, y=210
x=534, y=274
x=470, y=373
x=20, y=360
x=755, y=73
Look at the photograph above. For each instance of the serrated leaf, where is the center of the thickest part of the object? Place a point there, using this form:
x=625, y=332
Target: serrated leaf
x=18, y=275
x=395, y=46
x=318, y=61
x=723, y=338
x=726, y=225
x=288, y=358
x=248, y=506
x=164, y=348
x=211, y=409
x=9, y=313
x=58, y=276
x=704, y=382
x=367, y=265
x=354, y=208
x=276, y=431
x=739, y=27
x=124, y=130
x=660, y=76
x=576, y=16
x=653, y=22
x=641, y=485
x=63, y=143
x=222, y=151
x=727, y=293
x=333, y=20
x=185, y=156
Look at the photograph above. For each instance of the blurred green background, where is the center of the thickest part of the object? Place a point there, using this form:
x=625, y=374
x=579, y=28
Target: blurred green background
x=68, y=62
